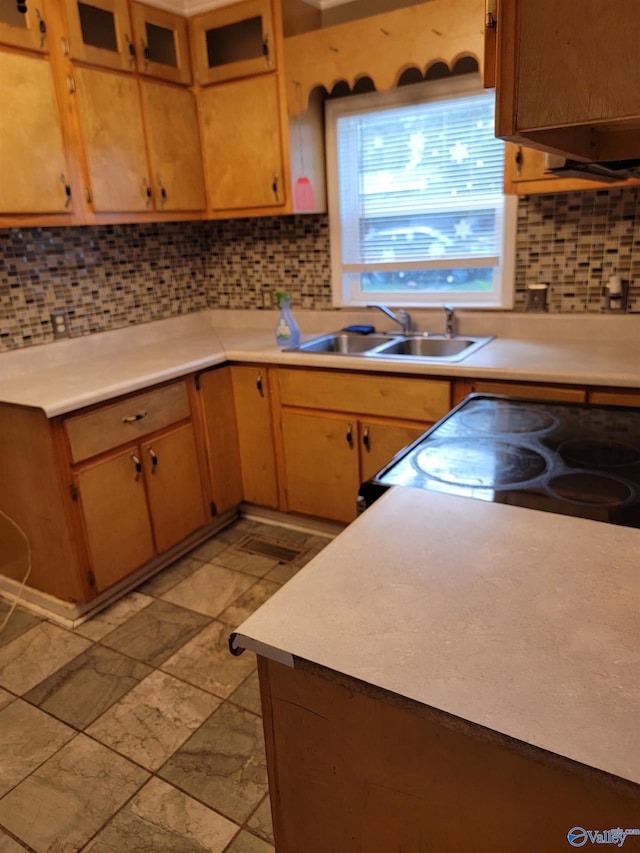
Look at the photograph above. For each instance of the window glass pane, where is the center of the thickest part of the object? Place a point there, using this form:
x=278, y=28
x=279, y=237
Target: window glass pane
x=162, y=46
x=235, y=42
x=98, y=27
x=419, y=191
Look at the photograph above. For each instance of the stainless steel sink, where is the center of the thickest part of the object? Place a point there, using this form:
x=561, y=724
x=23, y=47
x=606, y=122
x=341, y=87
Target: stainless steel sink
x=422, y=347
x=432, y=347
x=343, y=343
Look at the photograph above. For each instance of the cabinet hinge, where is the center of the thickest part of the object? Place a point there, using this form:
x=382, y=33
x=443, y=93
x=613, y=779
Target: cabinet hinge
x=74, y=492
x=214, y=508
x=196, y=380
x=91, y=578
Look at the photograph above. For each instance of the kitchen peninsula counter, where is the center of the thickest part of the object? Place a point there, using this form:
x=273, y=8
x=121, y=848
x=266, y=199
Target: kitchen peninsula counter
x=69, y=374
x=513, y=630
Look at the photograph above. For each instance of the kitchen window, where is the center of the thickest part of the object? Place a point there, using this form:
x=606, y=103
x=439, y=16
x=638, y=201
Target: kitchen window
x=417, y=212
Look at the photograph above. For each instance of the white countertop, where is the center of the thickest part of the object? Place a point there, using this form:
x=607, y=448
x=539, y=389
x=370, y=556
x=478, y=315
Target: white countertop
x=520, y=621
x=67, y=375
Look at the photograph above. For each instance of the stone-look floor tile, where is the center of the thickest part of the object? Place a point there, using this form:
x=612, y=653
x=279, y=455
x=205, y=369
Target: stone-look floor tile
x=63, y=803
x=260, y=821
x=103, y=623
x=35, y=655
x=223, y=764
x=206, y=662
x=169, y=577
x=164, y=820
x=211, y=548
x=19, y=622
x=210, y=589
x=155, y=633
x=247, y=603
x=283, y=572
x=245, y=842
x=8, y=845
x=154, y=719
x=242, y=561
x=5, y=698
x=248, y=694
x=28, y=737
x=83, y=689
x=236, y=531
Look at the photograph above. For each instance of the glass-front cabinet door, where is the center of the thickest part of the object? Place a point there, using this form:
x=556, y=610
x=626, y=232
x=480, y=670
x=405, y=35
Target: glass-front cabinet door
x=100, y=33
x=26, y=29
x=233, y=41
x=162, y=43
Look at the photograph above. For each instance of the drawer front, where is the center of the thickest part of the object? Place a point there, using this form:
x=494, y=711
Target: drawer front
x=425, y=400
x=118, y=423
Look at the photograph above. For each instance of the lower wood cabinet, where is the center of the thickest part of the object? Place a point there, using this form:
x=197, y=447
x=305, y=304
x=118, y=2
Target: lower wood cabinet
x=338, y=429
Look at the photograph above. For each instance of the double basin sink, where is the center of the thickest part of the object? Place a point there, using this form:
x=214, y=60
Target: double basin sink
x=413, y=346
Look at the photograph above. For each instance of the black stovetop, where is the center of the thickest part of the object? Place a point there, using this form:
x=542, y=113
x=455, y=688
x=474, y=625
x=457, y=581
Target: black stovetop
x=569, y=458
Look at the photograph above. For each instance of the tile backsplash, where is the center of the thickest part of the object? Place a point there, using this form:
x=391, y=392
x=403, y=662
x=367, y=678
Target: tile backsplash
x=110, y=276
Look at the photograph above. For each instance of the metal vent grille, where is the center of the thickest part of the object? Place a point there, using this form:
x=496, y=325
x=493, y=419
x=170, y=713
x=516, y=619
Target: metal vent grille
x=269, y=548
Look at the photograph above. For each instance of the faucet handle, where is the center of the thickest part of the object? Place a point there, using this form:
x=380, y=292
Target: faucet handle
x=406, y=321
x=449, y=316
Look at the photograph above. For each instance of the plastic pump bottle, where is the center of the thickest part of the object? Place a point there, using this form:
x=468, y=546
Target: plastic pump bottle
x=287, y=330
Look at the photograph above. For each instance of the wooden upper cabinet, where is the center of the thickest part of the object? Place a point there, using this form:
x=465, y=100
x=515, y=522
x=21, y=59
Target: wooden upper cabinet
x=524, y=174
x=100, y=33
x=114, y=143
x=175, y=156
x=162, y=43
x=242, y=141
x=33, y=167
x=25, y=30
x=233, y=41
x=568, y=77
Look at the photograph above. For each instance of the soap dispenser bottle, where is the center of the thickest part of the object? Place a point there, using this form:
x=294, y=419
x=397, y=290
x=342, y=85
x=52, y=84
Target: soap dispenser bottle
x=287, y=330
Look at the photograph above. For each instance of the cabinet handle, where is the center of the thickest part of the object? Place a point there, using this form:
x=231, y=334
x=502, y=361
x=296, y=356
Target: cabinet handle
x=64, y=44
x=365, y=438
x=259, y=385
x=146, y=54
x=131, y=48
x=42, y=27
x=163, y=193
x=67, y=190
x=266, y=52
x=349, y=435
x=130, y=419
x=71, y=84
x=147, y=190
x=154, y=459
x=138, y=466
x=518, y=158
x=490, y=19
x=274, y=185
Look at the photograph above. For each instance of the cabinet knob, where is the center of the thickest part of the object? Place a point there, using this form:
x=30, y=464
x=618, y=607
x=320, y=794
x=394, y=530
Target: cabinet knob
x=274, y=185
x=365, y=438
x=259, y=385
x=349, y=435
x=266, y=52
x=146, y=54
x=147, y=190
x=67, y=190
x=163, y=193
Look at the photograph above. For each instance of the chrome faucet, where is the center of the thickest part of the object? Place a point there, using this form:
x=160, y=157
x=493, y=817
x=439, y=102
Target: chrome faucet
x=449, y=318
x=402, y=318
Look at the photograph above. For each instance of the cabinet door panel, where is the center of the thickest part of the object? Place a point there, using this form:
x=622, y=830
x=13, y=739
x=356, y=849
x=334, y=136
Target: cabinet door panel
x=234, y=41
x=242, y=144
x=162, y=43
x=22, y=29
x=216, y=388
x=173, y=485
x=255, y=435
x=113, y=132
x=32, y=159
x=379, y=442
x=100, y=33
x=321, y=465
x=175, y=156
x=116, y=518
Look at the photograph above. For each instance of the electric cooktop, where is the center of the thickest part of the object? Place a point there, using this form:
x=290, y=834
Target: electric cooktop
x=574, y=459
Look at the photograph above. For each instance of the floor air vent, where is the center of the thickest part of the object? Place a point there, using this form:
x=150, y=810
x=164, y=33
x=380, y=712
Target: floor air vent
x=269, y=548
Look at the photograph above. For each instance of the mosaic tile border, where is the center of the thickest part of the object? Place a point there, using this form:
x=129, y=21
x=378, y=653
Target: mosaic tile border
x=111, y=276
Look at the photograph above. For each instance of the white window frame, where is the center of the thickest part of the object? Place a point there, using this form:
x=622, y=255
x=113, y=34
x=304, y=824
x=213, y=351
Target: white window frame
x=501, y=296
